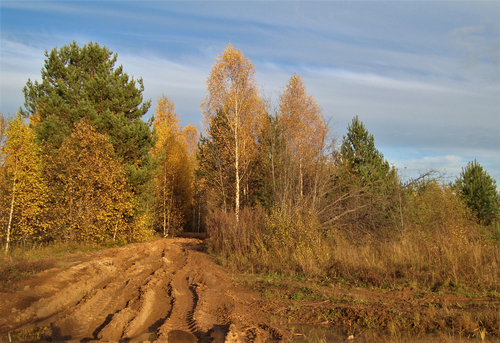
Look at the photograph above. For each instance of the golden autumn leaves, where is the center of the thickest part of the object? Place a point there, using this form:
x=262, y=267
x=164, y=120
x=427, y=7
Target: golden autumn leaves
x=175, y=149
x=79, y=190
x=233, y=94
x=236, y=118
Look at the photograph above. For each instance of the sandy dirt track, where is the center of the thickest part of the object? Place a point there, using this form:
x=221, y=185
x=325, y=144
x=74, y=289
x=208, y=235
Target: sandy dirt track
x=165, y=290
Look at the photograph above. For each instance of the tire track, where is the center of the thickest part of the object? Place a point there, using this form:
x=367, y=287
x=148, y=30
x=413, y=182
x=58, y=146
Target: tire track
x=165, y=288
x=183, y=301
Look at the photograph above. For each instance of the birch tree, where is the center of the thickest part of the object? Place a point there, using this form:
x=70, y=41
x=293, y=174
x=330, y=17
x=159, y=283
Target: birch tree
x=303, y=131
x=88, y=189
x=23, y=191
x=174, y=149
x=233, y=93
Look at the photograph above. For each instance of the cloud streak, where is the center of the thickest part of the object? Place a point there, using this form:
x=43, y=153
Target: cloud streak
x=424, y=78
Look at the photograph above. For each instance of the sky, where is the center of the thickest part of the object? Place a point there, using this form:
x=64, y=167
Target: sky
x=423, y=76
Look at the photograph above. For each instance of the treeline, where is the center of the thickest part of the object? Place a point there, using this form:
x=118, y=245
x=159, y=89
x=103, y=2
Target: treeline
x=270, y=185
x=282, y=196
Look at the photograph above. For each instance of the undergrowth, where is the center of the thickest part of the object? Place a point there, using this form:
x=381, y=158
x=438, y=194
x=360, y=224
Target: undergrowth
x=292, y=243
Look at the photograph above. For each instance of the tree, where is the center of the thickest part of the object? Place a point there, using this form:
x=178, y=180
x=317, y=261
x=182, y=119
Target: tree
x=216, y=163
x=88, y=189
x=82, y=83
x=478, y=190
x=233, y=94
x=360, y=155
x=368, y=181
x=22, y=189
x=303, y=128
x=3, y=128
x=174, y=150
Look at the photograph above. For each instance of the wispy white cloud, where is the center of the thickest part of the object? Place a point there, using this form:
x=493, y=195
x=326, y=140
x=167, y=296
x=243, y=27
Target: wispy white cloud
x=422, y=76
x=448, y=166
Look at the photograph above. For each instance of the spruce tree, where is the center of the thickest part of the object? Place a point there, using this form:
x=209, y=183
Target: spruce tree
x=367, y=176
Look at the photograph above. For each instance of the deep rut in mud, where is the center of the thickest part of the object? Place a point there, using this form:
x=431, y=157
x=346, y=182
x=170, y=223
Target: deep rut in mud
x=149, y=291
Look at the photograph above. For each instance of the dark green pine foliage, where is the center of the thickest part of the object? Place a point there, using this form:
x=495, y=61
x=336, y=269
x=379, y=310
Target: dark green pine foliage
x=361, y=157
x=82, y=82
x=369, y=177
x=479, y=192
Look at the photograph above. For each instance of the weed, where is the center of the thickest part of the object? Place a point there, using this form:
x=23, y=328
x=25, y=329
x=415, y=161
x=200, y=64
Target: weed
x=297, y=296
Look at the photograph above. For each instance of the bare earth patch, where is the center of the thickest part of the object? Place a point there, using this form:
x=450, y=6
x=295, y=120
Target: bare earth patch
x=165, y=290
x=168, y=290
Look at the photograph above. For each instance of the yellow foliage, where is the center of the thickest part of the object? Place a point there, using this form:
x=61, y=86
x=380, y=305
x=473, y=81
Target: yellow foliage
x=233, y=93
x=304, y=132
x=302, y=121
x=91, y=201
x=175, y=149
x=22, y=190
x=436, y=212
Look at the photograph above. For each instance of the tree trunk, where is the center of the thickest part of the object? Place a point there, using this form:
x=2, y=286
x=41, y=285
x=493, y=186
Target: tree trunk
x=165, y=202
x=237, y=164
x=11, y=209
x=170, y=205
x=301, y=176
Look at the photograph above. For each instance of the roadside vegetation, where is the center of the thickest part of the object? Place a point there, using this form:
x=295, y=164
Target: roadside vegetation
x=276, y=193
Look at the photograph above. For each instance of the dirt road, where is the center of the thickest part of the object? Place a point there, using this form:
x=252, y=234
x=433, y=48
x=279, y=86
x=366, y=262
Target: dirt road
x=165, y=290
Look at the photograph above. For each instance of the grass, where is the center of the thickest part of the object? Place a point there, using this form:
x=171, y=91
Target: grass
x=24, y=260
x=446, y=259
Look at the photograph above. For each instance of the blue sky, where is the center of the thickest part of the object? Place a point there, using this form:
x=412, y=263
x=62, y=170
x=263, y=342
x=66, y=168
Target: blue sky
x=424, y=76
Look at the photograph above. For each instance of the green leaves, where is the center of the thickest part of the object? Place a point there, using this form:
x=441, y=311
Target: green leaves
x=82, y=83
x=360, y=155
x=478, y=190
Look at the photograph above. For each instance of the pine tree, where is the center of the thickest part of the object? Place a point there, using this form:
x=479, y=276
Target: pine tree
x=360, y=155
x=367, y=179
x=83, y=82
x=478, y=190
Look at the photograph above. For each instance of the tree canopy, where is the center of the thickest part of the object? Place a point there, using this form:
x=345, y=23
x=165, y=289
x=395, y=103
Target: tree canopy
x=83, y=83
x=479, y=192
x=233, y=93
x=359, y=153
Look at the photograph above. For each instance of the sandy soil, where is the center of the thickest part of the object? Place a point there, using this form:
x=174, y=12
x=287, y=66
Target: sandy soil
x=165, y=290
x=169, y=290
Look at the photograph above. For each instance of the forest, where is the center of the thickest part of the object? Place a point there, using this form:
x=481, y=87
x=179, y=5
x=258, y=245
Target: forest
x=269, y=184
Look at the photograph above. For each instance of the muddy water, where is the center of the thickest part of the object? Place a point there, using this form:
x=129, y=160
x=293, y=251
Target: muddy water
x=331, y=334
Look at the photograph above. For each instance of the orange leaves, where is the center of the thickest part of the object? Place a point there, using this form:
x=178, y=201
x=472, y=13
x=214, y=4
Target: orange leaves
x=303, y=131
x=232, y=89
